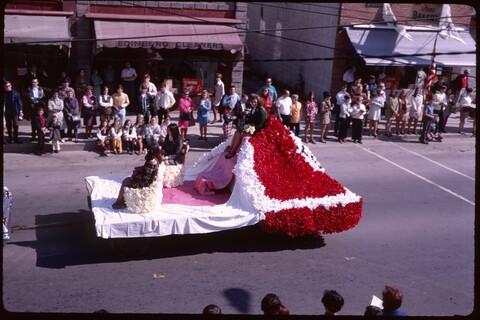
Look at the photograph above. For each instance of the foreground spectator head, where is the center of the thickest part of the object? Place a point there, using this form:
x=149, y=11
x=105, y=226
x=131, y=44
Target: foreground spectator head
x=332, y=301
x=212, y=309
x=372, y=311
x=392, y=299
x=271, y=304
x=7, y=86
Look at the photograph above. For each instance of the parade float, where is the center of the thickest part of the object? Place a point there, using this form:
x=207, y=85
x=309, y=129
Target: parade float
x=276, y=181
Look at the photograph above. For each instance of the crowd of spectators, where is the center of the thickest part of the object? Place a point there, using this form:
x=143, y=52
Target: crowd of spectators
x=356, y=106
x=332, y=301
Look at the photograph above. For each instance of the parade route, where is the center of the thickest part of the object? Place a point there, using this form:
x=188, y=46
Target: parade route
x=416, y=232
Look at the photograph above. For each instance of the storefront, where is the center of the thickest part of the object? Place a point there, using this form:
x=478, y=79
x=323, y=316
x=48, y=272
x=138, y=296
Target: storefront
x=177, y=53
x=40, y=38
x=396, y=58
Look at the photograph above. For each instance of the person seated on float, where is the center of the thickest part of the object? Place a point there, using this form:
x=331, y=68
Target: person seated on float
x=256, y=118
x=173, y=146
x=142, y=176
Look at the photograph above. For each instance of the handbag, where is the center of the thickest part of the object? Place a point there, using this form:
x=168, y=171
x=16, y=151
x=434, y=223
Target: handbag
x=191, y=122
x=185, y=116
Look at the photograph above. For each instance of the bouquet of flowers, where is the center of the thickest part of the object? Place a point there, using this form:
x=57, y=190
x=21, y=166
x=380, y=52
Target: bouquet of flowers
x=249, y=129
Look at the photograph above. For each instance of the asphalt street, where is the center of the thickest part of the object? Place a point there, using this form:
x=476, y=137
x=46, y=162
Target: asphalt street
x=416, y=232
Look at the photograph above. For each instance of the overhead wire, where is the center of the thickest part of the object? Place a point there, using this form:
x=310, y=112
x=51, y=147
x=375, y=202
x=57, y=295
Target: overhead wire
x=356, y=17
x=371, y=12
x=242, y=30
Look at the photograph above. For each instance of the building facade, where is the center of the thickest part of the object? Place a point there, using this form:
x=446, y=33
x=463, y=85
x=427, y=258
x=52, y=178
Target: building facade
x=313, y=36
x=189, y=40
x=421, y=22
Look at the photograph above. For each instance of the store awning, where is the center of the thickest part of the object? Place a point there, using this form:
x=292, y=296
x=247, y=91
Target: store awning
x=374, y=45
x=36, y=30
x=123, y=34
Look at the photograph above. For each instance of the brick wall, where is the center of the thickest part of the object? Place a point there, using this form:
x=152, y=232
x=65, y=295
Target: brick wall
x=361, y=13
x=82, y=27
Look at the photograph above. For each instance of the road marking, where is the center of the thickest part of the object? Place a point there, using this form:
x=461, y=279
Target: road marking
x=419, y=176
x=433, y=161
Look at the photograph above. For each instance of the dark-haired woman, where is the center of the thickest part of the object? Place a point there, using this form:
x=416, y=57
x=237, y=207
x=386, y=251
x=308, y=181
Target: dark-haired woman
x=172, y=146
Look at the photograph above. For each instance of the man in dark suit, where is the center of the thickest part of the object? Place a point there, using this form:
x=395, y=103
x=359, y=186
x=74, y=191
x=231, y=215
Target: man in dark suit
x=13, y=111
x=36, y=98
x=146, y=104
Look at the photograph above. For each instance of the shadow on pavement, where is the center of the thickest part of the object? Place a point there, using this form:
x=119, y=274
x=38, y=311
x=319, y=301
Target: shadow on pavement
x=240, y=299
x=68, y=239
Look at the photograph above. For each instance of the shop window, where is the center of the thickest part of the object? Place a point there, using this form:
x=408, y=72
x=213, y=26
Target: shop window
x=374, y=5
x=262, y=26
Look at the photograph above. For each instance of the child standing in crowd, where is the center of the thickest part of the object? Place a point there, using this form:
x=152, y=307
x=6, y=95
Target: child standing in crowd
x=39, y=123
x=391, y=113
x=55, y=133
x=129, y=135
x=140, y=129
x=103, y=137
x=116, y=136
x=402, y=112
x=426, y=120
x=358, y=113
x=311, y=112
x=202, y=114
x=164, y=129
x=227, y=122
x=295, y=115
x=325, y=114
x=332, y=301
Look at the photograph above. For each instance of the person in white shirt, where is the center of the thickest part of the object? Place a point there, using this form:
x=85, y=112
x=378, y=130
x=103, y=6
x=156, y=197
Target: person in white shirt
x=151, y=87
x=164, y=100
x=377, y=102
x=416, y=110
x=129, y=75
x=339, y=98
x=219, y=93
x=439, y=103
x=357, y=114
x=284, y=108
x=466, y=109
x=105, y=101
x=129, y=135
x=344, y=118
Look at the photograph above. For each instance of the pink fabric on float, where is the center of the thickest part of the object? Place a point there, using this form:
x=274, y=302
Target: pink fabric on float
x=218, y=177
x=187, y=195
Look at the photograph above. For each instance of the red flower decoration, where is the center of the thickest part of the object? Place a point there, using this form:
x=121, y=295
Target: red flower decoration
x=286, y=175
x=302, y=221
x=283, y=171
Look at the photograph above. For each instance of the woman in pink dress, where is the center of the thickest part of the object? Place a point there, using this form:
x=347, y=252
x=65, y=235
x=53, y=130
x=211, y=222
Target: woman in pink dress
x=186, y=115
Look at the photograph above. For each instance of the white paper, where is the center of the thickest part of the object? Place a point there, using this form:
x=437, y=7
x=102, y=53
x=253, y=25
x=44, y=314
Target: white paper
x=377, y=302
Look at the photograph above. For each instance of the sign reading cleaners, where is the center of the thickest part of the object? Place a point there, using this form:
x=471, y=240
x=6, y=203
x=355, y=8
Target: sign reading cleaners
x=169, y=45
x=428, y=12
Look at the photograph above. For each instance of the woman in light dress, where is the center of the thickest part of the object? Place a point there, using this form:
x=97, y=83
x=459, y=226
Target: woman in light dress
x=377, y=102
x=416, y=110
